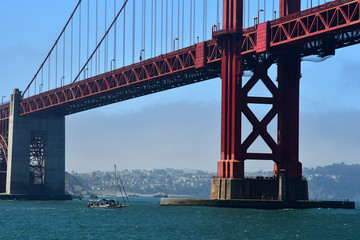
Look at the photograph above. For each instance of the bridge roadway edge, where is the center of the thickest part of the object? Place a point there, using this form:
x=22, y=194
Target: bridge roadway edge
x=256, y=203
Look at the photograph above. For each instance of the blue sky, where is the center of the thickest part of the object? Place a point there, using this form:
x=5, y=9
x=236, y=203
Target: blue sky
x=179, y=128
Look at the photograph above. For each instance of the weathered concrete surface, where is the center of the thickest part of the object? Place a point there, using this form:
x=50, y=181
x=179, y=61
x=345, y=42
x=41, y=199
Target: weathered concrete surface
x=256, y=204
x=21, y=129
x=30, y=197
x=262, y=188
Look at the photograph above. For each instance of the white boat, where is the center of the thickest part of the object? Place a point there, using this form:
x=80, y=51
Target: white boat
x=105, y=203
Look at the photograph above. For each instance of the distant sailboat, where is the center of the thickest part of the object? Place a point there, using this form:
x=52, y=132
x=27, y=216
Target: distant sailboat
x=105, y=203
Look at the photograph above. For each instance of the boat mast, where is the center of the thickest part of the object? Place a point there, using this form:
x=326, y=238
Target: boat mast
x=115, y=181
x=100, y=184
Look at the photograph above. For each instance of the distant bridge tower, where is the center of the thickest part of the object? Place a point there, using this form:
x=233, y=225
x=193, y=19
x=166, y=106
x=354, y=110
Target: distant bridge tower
x=230, y=182
x=36, y=154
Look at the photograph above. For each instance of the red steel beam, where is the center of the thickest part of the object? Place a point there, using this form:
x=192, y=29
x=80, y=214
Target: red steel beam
x=4, y=123
x=185, y=61
x=315, y=23
x=328, y=18
x=3, y=145
x=309, y=24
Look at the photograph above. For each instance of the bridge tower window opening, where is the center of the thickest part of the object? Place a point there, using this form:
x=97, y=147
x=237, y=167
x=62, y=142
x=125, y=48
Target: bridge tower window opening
x=2, y=161
x=37, y=160
x=3, y=168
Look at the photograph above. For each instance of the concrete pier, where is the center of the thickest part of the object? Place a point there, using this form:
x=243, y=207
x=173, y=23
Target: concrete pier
x=259, y=188
x=47, y=129
x=256, y=204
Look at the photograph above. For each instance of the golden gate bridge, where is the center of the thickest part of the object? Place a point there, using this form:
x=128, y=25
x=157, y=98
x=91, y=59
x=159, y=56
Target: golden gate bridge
x=89, y=66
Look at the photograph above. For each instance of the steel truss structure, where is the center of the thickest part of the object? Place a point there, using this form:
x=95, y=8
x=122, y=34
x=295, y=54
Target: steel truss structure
x=37, y=161
x=153, y=75
x=319, y=30
x=328, y=21
x=4, y=128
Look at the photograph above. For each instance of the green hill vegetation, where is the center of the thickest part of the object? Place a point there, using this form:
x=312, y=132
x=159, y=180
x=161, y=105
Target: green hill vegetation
x=334, y=182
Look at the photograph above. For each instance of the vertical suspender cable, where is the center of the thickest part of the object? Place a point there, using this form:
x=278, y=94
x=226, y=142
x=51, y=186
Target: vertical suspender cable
x=103, y=38
x=194, y=22
x=42, y=81
x=178, y=25
x=63, y=77
x=155, y=30
x=115, y=25
x=88, y=36
x=142, y=28
x=182, y=25
x=124, y=29
x=172, y=24
x=79, y=36
x=264, y=10
x=217, y=15
x=205, y=19
x=71, y=48
x=49, y=74
x=106, y=41
x=96, y=34
x=244, y=13
x=162, y=23
x=248, y=13
x=152, y=28
x=133, y=34
x=56, y=64
x=166, y=26
x=54, y=45
x=99, y=59
x=273, y=9
x=190, y=21
x=258, y=10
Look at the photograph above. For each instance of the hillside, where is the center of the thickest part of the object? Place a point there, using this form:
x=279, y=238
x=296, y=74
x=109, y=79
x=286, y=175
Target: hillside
x=337, y=181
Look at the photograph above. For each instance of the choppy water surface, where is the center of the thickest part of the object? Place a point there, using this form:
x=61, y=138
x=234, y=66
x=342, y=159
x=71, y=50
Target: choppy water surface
x=145, y=219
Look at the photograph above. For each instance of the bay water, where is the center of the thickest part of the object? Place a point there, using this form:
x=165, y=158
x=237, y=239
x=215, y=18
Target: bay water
x=146, y=219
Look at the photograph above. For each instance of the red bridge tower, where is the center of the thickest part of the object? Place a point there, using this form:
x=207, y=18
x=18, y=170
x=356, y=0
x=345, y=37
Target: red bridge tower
x=287, y=181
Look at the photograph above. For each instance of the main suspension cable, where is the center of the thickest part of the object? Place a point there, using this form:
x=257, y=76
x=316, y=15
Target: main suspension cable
x=52, y=48
x=102, y=39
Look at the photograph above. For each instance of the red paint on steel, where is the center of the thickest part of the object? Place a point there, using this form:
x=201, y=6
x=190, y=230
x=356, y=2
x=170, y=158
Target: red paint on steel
x=310, y=24
x=320, y=22
x=4, y=128
x=259, y=126
x=288, y=78
x=288, y=116
x=202, y=61
x=288, y=7
x=231, y=165
x=262, y=37
x=4, y=147
x=164, y=66
x=200, y=55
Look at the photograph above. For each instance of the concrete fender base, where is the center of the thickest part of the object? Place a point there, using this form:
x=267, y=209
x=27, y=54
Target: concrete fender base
x=29, y=197
x=260, y=188
x=256, y=204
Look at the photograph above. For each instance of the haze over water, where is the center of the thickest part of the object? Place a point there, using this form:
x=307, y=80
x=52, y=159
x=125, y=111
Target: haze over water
x=145, y=219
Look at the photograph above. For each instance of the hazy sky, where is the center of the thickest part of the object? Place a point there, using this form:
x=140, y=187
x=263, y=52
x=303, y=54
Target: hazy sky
x=179, y=128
